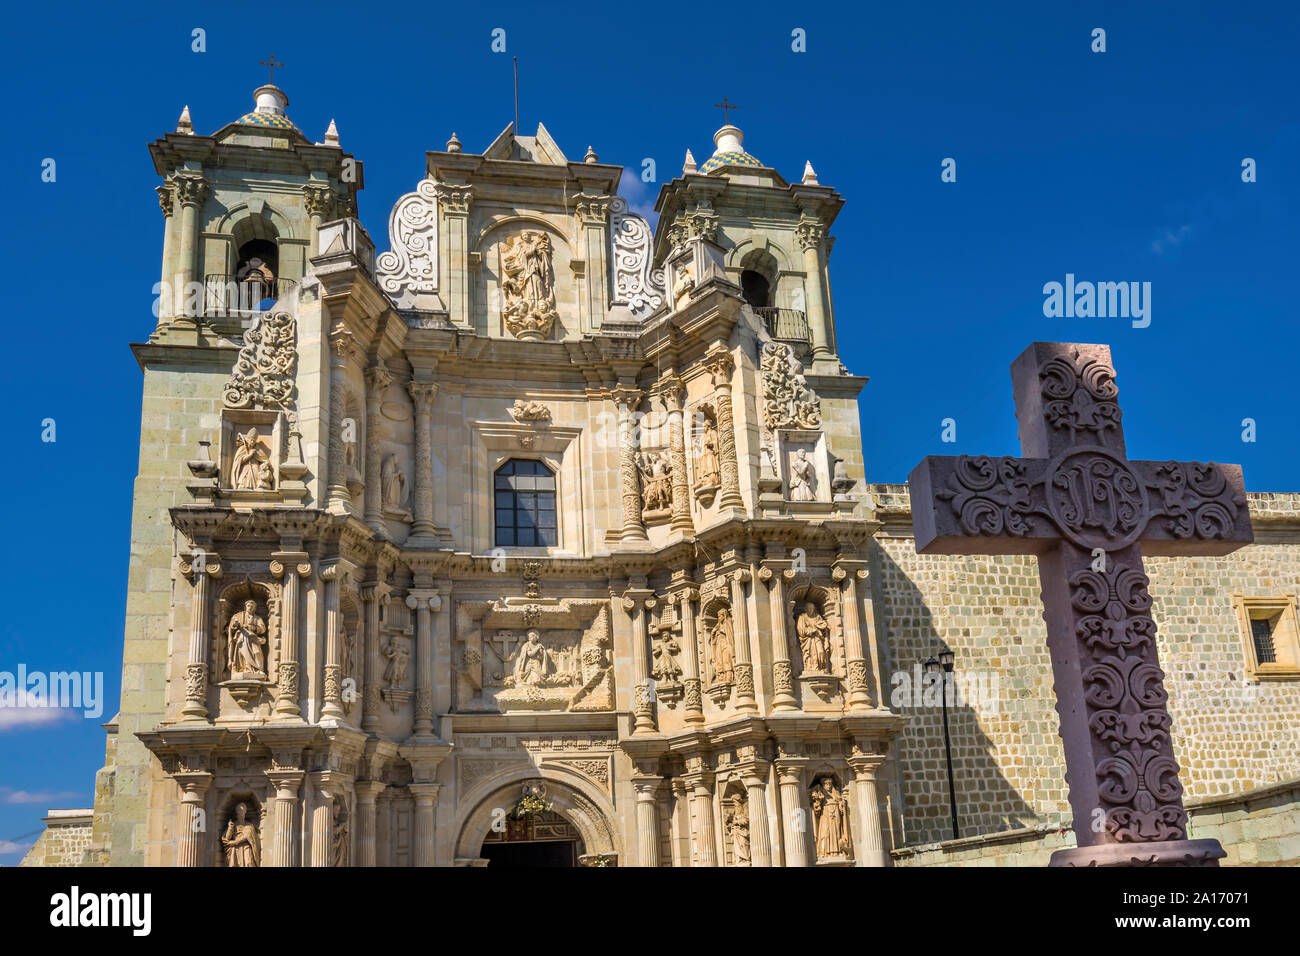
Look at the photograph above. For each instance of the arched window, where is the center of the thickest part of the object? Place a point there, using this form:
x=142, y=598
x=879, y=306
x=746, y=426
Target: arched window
x=524, y=494
x=754, y=286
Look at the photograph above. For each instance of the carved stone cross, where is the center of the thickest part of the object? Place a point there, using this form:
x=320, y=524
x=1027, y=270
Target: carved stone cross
x=504, y=643
x=1088, y=514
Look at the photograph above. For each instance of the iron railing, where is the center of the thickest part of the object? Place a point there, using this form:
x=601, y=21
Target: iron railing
x=226, y=295
x=785, y=325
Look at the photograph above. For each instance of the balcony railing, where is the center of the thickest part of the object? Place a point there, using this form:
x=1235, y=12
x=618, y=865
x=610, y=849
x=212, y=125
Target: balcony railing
x=226, y=295
x=786, y=325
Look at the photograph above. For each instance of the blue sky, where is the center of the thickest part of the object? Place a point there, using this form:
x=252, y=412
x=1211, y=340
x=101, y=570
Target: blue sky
x=1115, y=166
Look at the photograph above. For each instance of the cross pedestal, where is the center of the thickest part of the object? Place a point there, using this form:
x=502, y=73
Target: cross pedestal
x=1089, y=514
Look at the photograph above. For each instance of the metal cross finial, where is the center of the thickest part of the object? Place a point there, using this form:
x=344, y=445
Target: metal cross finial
x=272, y=64
x=726, y=110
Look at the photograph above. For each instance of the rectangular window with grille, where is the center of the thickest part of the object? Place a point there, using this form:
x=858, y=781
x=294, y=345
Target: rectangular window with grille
x=1261, y=630
x=1270, y=635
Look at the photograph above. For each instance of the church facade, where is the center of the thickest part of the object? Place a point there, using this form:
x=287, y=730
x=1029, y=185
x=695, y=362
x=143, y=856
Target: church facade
x=544, y=537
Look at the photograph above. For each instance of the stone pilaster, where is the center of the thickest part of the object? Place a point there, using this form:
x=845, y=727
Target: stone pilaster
x=811, y=234
x=193, y=835
x=453, y=207
x=374, y=596
x=335, y=576
x=744, y=668
x=378, y=378
x=167, y=202
x=593, y=214
x=291, y=567
x=424, y=601
x=794, y=816
x=866, y=807
x=422, y=528
x=426, y=802
x=342, y=348
x=328, y=786
x=200, y=566
x=367, y=794
x=287, y=784
x=720, y=366
x=774, y=576
x=628, y=399
x=319, y=202
x=862, y=694
x=673, y=393
x=638, y=604
x=694, y=699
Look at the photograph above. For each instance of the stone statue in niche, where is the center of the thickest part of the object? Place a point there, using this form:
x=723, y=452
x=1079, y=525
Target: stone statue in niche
x=831, y=816
x=738, y=830
x=803, y=477
x=245, y=644
x=814, y=639
x=722, y=648
x=656, y=488
x=533, y=663
x=347, y=646
x=706, y=459
x=339, y=843
x=395, y=494
x=239, y=842
x=250, y=466
x=397, y=657
x=529, y=311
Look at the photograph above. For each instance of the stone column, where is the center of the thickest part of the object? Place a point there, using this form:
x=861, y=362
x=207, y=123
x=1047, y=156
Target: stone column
x=338, y=498
x=866, y=807
x=383, y=829
x=794, y=817
x=760, y=838
x=422, y=395
x=690, y=656
x=319, y=201
x=424, y=601
x=327, y=787
x=744, y=669
x=426, y=802
x=167, y=202
x=291, y=567
x=286, y=783
x=720, y=366
x=453, y=236
x=374, y=596
x=673, y=393
x=193, y=822
x=192, y=191
x=367, y=793
x=199, y=566
x=638, y=604
x=782, y=672
x=377, y=379
x=811, y=233
x=628, y=399
x=333, y=575
x=703, y=844
x=647, y=819
x=862, y=694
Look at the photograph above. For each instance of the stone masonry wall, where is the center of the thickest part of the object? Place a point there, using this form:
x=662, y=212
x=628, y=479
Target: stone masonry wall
x=64, y=842
x=1230, y=734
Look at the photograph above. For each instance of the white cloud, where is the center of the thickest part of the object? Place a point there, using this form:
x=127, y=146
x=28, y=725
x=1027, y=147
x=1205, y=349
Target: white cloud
x=42, y=797
x=23, y=714
x=9, y=847
x=1171, y=239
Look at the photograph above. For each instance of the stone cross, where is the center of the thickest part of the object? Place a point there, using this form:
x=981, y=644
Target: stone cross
x=1088, y=514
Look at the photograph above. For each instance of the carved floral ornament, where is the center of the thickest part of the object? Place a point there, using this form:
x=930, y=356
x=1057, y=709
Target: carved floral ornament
x=264, y=370
x=788, y=402
x=411, y=264
x=637, y=284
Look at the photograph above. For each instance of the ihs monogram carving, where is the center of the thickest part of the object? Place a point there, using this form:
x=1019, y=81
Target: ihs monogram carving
x=528, y=284
x=264, y=371
x=637, y=284
x=411, y=264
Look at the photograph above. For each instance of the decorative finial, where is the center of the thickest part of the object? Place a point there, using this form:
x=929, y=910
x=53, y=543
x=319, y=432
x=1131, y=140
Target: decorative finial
x=453, y=144
x=809, y=174
x=689, y=166
x=183, y=125
x=591, y=156
x=332, y=135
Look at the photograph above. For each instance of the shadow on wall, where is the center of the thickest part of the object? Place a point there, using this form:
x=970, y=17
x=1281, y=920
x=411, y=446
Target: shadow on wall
x=980, y=695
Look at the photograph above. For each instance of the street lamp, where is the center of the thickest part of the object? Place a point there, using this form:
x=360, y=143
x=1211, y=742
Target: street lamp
x=933, y=666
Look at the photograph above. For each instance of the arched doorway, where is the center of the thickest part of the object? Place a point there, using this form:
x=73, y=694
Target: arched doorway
x=545, y=838
x=568, y=824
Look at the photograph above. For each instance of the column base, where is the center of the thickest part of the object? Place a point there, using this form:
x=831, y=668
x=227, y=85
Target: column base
x=1162, y=853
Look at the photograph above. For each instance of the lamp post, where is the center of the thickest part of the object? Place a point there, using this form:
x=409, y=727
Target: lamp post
x=933, y=666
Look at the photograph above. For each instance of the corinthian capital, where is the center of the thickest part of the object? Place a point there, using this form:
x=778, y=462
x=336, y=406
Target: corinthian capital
x=422, y=394
x=191, y=189
x=592, y=209
x=378, y=378
x=319, y=200
x=453, y=200
x=719, y=364
x=810, y=232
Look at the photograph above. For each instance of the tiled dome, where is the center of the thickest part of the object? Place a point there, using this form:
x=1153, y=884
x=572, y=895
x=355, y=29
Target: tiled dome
x=730, y=152
x=270, y=111
x=269, y=120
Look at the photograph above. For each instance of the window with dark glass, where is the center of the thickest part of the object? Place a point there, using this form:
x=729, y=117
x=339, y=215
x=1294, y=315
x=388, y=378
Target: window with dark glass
x=524, y=492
